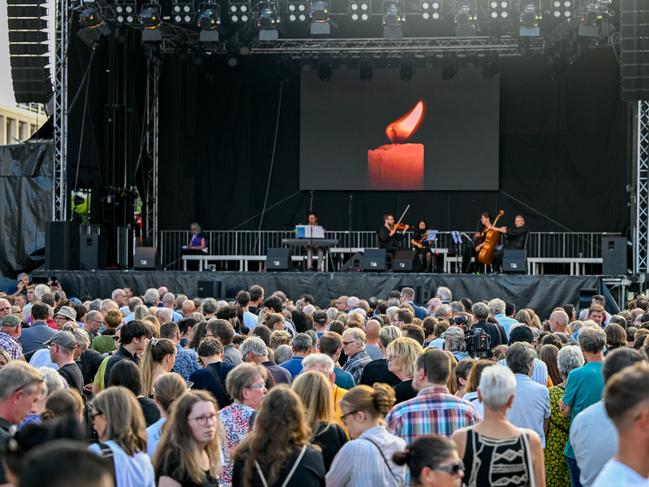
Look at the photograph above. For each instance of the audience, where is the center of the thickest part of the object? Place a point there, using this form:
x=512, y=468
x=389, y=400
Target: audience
x=432, y=461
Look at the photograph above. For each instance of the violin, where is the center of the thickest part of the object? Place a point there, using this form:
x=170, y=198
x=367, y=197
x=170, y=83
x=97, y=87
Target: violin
x=399, y=226
x=487, y=252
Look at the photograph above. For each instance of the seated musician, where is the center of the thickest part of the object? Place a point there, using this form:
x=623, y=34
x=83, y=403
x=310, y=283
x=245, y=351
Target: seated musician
x=312, y=219
x=388, y=237
x=197, y=245
x=472, y=251
x=421, y=245
x=516, y=239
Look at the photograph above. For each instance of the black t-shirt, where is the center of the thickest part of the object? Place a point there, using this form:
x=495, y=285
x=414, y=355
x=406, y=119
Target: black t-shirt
x=149, y=409
x=516, y=237
x=73, y=376
x=387, y=241
x=170, y=469
x=212, y=379
x=330, y=438
x=5, y=433
x=89, y=362
x=377, y=371
x=309, y=473
x=404, y=391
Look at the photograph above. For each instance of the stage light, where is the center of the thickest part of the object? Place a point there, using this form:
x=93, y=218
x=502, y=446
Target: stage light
x=562, y=9
x=407, y=69
x=150, y=19
x=593, y=21
x=499, y=10
x=365, y=70
x=319, y=17
x=239, y=12
x=94, y=28
x=181, y=13
x=360, y=11
x=530, y=16
x=465, y=18
x=90, y=17
x=208, y=21
x=449, y=68
x=268, y=20
x=393, y=18
x=125, y=13
x=296, y=12
x=324, y=71
x=431, y=9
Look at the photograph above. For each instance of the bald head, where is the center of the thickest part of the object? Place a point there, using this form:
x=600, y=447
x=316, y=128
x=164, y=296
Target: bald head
x=372, y=330
x=559, y=320
x=188, y=307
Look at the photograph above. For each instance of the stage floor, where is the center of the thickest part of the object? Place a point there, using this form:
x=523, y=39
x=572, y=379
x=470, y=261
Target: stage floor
x=542, y=293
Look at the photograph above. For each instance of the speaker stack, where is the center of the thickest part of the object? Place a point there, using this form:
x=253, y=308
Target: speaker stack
x=634, y=36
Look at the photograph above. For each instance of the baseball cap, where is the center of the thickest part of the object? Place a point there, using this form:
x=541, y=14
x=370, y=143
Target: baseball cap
x=68, y=312
x=64, y=339
x=11, y=320
x=521, y=333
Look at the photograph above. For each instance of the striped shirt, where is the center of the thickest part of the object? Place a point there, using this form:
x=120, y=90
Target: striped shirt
x=359, y=463
x=11, y=346
x=356, y=363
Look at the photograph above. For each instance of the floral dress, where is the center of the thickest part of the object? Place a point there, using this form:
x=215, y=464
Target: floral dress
x=236, y=424
x=556, y=468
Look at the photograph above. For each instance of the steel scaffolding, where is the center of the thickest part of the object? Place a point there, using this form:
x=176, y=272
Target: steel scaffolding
x=60, y=115
x=641, y=160
x=150, y=199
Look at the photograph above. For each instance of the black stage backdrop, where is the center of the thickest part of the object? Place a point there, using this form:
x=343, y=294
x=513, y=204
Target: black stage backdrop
x=563, y=151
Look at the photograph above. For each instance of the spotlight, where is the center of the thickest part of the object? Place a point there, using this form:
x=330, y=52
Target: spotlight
x=125, y=13
x=181, y=13
x=365, y=70
x=465, y=18
x=593, y=20
x=319, y=17
x=208, y=21
x=150, y=19
x=94, y=28
x=268, y=20
x=239, y=12
x=407, y=69
x=562, y=9
x=360, y=11
x=499, y=10
x=89, y=16
x=324, y=71
x=393, y=18
x=431, y=9
x=296, y=12
x=530, y=13
x=449, y=68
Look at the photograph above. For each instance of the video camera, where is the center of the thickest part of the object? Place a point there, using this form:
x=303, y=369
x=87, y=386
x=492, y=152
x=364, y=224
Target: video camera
x=477, y=341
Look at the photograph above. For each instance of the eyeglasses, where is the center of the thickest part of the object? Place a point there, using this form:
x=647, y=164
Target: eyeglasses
x=343, y=418
x=452, y=469
x=204, y=420
x=348, y=343
x=94, y=414
x=257, y=386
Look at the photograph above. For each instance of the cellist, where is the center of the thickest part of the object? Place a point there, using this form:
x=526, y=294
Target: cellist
x=473, y=250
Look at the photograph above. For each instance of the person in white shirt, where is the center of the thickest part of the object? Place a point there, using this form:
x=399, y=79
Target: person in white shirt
x=626, y=398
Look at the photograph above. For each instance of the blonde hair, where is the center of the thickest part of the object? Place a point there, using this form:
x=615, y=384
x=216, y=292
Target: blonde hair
x=124, y=419
x=154, y=353
x=315, y=391
x=405, y=350
x=279, y=337
x=167, y=388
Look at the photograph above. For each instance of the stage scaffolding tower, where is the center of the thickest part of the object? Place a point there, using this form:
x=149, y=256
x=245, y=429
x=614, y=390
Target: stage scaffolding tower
x=60, y=114
x=641, y=207
x=152, y=112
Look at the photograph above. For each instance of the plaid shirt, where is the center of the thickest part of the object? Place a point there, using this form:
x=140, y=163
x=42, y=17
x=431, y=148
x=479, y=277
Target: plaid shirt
x=433, y=410
x=11, y=346
x=356, y=363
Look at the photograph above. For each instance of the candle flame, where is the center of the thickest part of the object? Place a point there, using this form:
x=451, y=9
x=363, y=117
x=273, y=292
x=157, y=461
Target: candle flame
x=401, y=129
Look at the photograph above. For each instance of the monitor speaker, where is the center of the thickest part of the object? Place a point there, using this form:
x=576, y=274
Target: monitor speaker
x=62, y=245
x=209, y=289
x=278, y=259
x=374, y=260
x=614, y=252
x=403, y=261
x=514, y=261
x=144, y=258
x=92, y=248
x=353, y=263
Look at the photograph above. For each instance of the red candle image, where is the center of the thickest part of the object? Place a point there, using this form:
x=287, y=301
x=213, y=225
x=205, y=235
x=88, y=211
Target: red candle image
x=399, y=165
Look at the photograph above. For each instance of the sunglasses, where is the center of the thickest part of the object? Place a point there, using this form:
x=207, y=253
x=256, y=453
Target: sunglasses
x=452, y=469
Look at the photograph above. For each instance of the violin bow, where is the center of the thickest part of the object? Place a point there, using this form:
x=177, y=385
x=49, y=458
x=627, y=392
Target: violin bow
x=401, y=217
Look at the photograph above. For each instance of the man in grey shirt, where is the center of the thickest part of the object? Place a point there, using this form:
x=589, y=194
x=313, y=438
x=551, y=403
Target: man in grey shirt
x=224, y=332
x=593, y=436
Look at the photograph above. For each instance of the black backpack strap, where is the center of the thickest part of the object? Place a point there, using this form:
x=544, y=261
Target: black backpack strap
x=251, y=420
x=107, y=453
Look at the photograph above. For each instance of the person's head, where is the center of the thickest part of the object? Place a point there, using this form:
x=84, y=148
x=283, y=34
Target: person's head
x=113, y=319
x=559, y=320
x=433, y=461
x=4, y=358
x=66, y=463
x=254, y=349
x=126, y=374
x=615, y=336
x=275, y=321
x=363, y=407
x=454, y=339
x=592, y=340
x=320, y=362
x=11, y=325
x=221, y=330
x=62, y=346
x=119, y=296
x=626, y=398
x=193, y=424
x=485, y=218
x=256, y=293
x=476, y=373
x=134, y=336
x=354, y=340
x=64, y=403
x=246, y=384
x=151, y=297
x=302, y=344
x=40, y=311
x=401, y=354
x=116, y=415
x=620, y=359
x=521, y=334
x=166, y=389
x=312, y=218
x=407, y=295
x=195, y=228
x=209, y=307
x=496, y=388
x=282, y=353
x=388, y=219
x=596, y=313
x=480, y=311
x=210, y=350
x=415, y=332
x=444, y=294
x=160, y=353
x=497, y=306
x=314, y=389
x=520, y=358
x=433, y=367
x=20, y=390
x=548, y=355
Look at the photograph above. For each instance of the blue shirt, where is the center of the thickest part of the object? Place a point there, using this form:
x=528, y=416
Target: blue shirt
x=212, y=379
x=153, y=435
x=420, y=312
x=249, y=320
x=32, y=338
x=186, y=362
x=344, y=379
x=293, y=365
x=539, y=374
x=531, y=406
x=506, y=322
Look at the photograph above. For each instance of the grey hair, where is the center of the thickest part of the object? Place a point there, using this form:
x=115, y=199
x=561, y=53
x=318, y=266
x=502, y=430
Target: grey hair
x=457, y=307
x=352, y=302
x=151, y=296
x=331, y=314
x=40, y=290
x=140, y=312
x=53, y=380
x=443, y=310
x=16, y=375
x=318, y=359
x=283, y=353
x=592, y=339
x=164, y=315
x=480, y=311
x=569, y=358
x=209, y=306
x=497, y=386
x=457, y=343
x=357, y=334
x=520, y=357
x=444, y=294
x=82, y=338
x=388, y=334
x=408, y=293
x=254, y=345
x=168, y=298
x=116, y=292
x=496, y=306
x=302, y=342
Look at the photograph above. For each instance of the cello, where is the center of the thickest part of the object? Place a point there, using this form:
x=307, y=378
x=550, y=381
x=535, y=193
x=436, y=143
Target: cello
x=487, y=252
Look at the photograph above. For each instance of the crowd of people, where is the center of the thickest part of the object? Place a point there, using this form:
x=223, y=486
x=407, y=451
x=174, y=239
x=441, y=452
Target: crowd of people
x=166, y=390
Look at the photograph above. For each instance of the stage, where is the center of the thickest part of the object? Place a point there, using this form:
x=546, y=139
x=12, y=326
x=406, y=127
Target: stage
x=542, y=293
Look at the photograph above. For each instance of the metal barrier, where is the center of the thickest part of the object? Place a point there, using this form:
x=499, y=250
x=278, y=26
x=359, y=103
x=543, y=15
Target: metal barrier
x=562, y=245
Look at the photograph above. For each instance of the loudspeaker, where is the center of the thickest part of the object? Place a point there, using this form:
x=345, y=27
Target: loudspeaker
x=403, y=261
x=634, y=35
x=353, y=263
x=62, y=245
x=423, y=294
x=92, y=249
x=278, y=259
x=144, y=258
x=514, y=261
x=209, y=289
x=614, y=251
x=374, y=260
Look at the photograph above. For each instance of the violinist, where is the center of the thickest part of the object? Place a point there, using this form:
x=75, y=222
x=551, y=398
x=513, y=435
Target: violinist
x=421, y=245
x=387, y=234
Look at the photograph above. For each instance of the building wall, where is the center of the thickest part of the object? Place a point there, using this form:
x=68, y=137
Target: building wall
x=17, y=124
